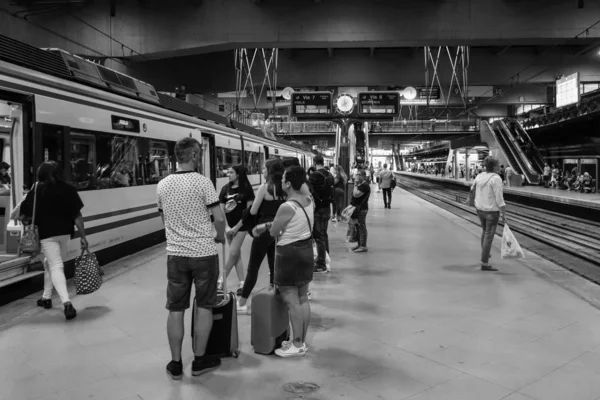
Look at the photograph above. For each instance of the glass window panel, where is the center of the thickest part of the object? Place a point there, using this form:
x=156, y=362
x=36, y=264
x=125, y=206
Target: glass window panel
x=226, y=158
x=158, y=164
x=253, y=162
x=82, y=161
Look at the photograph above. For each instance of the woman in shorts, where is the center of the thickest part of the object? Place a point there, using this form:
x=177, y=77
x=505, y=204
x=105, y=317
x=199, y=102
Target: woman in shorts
x=236, y=197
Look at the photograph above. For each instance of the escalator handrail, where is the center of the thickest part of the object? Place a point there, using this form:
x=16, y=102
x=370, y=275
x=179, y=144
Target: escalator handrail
x=506, y=148
x=521, y=155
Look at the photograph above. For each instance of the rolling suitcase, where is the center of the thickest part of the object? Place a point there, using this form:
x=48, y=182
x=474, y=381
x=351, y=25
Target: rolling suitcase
x=223, y=339
x=270, y=322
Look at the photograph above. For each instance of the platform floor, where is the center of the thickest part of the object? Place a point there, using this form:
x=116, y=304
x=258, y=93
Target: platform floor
x=412, y=318
x=561, y=196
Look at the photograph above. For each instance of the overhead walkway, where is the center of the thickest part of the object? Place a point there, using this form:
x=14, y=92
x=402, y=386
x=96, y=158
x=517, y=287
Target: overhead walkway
x=412, y=318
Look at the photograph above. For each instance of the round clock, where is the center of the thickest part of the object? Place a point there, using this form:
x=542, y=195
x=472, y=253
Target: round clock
x=344, y=103
x=409, y=93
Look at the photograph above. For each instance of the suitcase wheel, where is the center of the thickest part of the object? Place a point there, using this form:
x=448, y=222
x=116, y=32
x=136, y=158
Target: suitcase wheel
x=235, y=353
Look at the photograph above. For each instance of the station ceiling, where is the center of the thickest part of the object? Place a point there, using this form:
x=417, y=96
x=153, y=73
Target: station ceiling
x=515, y=43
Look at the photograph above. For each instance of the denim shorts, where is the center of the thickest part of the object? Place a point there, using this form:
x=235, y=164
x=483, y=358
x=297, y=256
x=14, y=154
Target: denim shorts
x=203, y=272
x=294, y=263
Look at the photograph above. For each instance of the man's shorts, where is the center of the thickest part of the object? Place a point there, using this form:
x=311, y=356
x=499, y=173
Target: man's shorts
x=203, y=272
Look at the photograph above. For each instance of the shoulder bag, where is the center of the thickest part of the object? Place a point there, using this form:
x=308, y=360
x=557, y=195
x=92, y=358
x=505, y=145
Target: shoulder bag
x=471, y=196
x=30, y=239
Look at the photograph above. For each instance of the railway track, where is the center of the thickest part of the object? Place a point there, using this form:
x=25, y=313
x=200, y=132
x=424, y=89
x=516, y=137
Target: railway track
x=571, y=242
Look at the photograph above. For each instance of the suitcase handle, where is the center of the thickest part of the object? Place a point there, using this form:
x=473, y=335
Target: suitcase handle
x=226, y=297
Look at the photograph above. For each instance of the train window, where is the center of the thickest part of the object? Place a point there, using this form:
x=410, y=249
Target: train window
x=158, y=162
x=82, y=161
x=53, y=143
x=226, y=158
x=118, y=161
x=253, y=162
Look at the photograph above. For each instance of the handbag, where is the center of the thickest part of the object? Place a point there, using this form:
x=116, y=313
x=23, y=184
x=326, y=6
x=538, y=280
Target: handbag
x=88, y=274
x=30, y=238
x=471, y=196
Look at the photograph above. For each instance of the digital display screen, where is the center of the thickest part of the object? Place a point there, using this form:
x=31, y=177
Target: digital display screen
x=567, y=90
x=312, y=104
x=378, y=104
x=125, y=124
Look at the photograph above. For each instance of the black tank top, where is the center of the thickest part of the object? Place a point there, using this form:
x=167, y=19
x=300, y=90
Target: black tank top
x=268, y=210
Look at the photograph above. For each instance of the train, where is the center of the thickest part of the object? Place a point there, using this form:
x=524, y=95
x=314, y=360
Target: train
x=115, y=146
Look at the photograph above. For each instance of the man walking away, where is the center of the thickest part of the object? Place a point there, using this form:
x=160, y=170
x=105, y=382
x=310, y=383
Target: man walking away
x=360, y=199
x=322, y=183
x=385, y=177
x=186, y=200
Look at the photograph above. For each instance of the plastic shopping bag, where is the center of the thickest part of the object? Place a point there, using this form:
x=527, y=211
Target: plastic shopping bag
x=510, y=246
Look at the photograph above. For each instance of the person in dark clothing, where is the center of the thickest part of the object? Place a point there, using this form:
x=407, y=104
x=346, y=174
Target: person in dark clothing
x=268, y=199
x=360, y=199
x=236, y=197
x=322, y=183
x=57, y=210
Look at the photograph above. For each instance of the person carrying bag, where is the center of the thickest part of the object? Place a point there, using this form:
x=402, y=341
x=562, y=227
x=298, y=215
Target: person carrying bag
x=55, y=208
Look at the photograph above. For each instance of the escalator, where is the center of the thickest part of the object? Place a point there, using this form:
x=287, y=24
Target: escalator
x=512, y=162
x=529, y=171
x=527, y=146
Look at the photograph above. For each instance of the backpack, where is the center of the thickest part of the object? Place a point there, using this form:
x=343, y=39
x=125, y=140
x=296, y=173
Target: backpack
x=325, y=194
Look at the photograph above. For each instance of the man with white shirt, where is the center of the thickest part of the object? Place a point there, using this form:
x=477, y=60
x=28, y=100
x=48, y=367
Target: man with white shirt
x=489, y=202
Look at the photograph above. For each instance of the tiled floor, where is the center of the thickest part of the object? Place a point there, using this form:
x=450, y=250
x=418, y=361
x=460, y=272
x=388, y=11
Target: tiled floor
x=413, y=318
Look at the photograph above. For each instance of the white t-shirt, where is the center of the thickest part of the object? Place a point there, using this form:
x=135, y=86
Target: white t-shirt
x=185, y=198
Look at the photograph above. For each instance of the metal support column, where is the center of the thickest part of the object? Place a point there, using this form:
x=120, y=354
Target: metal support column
x=455, y=169
x=467, y=166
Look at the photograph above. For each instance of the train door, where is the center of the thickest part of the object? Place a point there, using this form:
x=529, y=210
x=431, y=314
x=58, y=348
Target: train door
x=16, y=169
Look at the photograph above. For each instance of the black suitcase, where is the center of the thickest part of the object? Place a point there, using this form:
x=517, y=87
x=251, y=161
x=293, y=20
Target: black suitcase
x=223, y=340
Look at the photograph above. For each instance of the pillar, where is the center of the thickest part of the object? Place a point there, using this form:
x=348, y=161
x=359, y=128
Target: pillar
x=467, y=166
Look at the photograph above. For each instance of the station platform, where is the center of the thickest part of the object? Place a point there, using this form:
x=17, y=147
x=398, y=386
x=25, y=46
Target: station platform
x=588, y=200
x=414, y=318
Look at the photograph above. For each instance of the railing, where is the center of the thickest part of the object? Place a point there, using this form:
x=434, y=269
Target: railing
x=425, y=126
x=302, y=127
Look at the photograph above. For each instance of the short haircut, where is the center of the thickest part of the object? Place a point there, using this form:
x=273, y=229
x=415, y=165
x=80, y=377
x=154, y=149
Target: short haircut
x=490, y=163
x=296, y=176
x=361, y=172
x=384, y=165
x=184, y=148
x=318, y=160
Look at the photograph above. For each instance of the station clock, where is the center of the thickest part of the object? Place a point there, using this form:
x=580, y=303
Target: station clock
x=344, y=104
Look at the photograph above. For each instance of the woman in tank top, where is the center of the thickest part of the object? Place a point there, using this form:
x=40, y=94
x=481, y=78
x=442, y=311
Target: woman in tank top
x=269, y=197
x=294, y=258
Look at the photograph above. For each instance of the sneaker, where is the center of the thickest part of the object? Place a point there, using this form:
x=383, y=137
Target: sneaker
x=355, y=248
x=175, y=370
x=46, y=303
x=242, y=309
x=70, y=311
x=320, y=270
x=288, y=343
x=204, y=365
x=361, y=250
x=291, y=351
x=488, y=268
x=334, y=219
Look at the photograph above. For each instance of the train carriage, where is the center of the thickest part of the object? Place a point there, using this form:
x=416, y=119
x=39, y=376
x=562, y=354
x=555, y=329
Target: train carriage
x=115, y=149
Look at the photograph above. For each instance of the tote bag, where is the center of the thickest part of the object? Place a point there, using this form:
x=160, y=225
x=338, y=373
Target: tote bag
x=30, y=238
x=88, y=275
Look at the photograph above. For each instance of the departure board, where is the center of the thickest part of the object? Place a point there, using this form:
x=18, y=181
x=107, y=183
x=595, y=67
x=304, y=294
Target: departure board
x=312, y=104
x=378, y=104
